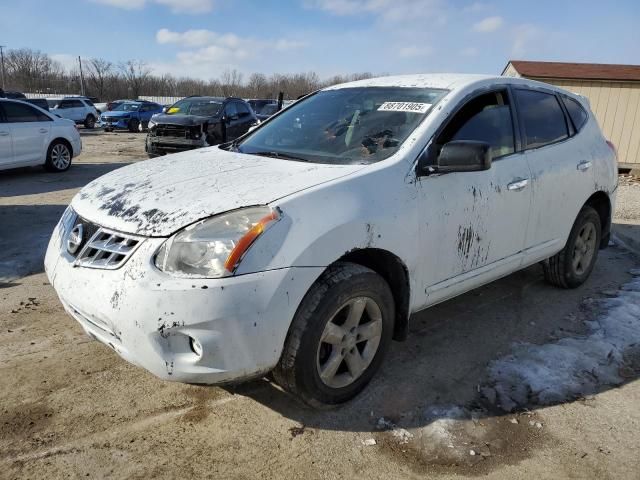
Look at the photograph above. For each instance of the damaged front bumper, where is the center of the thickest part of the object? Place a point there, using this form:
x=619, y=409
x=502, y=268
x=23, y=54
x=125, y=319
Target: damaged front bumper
x=162, y=145
x=188, y=330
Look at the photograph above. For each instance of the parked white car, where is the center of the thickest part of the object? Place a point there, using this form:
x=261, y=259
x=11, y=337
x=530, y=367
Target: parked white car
x=304, y=246
x=30, y=136
x=78, y=109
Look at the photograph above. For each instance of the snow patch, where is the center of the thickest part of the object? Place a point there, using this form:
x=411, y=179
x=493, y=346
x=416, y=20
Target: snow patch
x=573, y=366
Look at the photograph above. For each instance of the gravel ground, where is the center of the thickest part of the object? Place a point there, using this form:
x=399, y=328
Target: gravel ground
x=71, y=408
x=628, y=199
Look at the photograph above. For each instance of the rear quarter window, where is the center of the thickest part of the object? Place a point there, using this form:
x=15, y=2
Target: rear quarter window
x=577, y=114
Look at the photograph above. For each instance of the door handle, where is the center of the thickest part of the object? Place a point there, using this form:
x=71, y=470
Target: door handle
x=584, y=166
x=518, y=184
x=4, y=134
x=43, y=130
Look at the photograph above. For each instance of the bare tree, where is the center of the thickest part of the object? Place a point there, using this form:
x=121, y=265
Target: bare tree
x=135, y=73
x=99, y=72
x=231, y=82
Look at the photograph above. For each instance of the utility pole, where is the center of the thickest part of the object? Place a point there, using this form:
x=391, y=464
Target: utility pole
x=2, y=61
x=81, y=77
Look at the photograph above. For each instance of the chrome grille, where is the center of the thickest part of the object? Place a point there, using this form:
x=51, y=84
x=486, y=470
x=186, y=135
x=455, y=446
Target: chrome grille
x=107, y=249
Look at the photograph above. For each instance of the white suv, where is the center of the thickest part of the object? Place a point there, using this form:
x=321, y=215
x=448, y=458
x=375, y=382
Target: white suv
x=30, y=135
x=304, y=246
x=78, y=109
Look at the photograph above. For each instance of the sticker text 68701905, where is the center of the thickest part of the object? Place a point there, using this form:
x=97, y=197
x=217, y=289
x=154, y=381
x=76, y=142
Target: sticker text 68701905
x=404, y=107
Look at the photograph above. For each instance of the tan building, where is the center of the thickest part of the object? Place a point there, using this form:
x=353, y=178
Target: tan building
x=612, y=90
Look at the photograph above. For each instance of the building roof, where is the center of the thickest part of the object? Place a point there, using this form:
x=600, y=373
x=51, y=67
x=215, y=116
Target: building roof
x=586, y=71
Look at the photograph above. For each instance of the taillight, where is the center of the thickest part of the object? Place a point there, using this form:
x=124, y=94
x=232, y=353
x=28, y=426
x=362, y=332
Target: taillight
x=613, y=148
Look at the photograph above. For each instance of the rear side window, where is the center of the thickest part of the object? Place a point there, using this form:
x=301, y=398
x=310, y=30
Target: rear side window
x=486, y=118
x=20, y=113
x=576, y=112
x=542, y=118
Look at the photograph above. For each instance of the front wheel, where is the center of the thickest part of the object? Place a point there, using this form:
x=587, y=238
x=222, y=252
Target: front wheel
x=571, y=267
x=338, y=337
x=58, y=157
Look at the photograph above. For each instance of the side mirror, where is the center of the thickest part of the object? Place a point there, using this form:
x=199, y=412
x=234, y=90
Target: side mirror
x=164, y=109
x=456, y=156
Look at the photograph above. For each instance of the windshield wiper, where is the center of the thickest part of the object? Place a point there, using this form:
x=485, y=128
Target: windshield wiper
x=273, y=154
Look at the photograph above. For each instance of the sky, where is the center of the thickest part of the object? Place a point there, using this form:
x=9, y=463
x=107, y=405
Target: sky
x=203, y=38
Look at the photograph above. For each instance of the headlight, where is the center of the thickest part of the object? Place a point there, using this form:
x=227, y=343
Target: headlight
x=151, y=124
x=214, y=247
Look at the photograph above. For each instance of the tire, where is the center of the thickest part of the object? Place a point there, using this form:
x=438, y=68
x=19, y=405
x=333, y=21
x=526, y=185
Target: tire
x=133, y=125
x=90, y=121
x=59, y=156
x=312, y=347
x=108, y=129
x=571, y=267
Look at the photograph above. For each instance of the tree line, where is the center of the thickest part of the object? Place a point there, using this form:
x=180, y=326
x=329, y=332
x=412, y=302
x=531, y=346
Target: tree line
x=33, y=71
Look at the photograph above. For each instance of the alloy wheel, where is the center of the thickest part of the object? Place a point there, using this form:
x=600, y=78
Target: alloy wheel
x=584, y=248
x=60, y=156
x=349, y=342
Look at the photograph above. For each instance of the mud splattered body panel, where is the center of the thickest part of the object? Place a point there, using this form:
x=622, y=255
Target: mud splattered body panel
x=449, y=232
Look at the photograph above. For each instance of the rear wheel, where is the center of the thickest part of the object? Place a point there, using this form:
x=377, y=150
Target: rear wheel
x=338, y=336
x=571, y=267
x=90, y=121
x=58, y=157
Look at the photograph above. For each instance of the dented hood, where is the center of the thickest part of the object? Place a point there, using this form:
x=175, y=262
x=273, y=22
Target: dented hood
x=158, y=197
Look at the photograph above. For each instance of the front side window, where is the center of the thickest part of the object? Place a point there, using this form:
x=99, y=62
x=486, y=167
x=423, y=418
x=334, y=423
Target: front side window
x=542, y=118
x=230, y=110
x=485, y=118
x=243, y=110
x=20, y=113
x=360, y=125
x=576, y=112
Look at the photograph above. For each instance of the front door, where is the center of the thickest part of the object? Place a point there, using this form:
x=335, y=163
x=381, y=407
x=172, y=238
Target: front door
x=30, y=131
x=474, y=224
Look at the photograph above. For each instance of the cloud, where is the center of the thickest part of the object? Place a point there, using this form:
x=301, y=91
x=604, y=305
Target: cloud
x=176, y=6
x=489, y=24
x=475, y=7
x=67, y=60
x=211, y=49
x=469, y=51
x=125, y=4
x=187, y=6
x=523, y=35
x=386, y=10
x=413, y=51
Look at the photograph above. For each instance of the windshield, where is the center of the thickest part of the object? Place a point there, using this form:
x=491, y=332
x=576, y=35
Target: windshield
x=346, y=126
x=127, y=107
x=203, y=107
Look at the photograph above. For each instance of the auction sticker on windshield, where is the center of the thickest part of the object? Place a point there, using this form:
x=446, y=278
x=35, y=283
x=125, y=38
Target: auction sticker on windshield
x=414, y=107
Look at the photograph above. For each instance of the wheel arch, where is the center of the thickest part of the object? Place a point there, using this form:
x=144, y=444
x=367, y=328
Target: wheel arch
x=394, y=271
x=60, y=140
x=601, y=203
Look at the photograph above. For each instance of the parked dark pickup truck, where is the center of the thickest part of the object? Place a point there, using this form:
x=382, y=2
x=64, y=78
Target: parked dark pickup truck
x=196, y=122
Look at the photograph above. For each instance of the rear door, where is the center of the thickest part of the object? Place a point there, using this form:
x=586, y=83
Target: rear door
x=6, y=146
x=561, y=175
x=30, y=131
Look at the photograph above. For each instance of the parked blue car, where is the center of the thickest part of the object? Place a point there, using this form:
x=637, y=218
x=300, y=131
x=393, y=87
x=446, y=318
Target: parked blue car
x=130, y=115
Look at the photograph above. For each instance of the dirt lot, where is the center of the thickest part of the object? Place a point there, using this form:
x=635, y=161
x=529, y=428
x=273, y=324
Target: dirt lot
x=71, y=408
